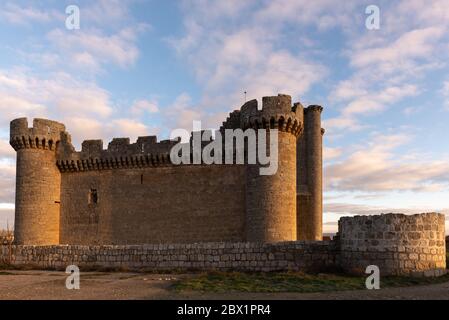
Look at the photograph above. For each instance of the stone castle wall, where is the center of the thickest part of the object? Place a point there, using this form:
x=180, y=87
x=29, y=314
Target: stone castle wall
x=396, y=243
x=198, y=256
x=170, y=204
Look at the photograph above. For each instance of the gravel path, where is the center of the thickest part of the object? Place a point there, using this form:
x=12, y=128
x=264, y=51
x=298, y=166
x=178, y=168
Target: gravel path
x=98, y=285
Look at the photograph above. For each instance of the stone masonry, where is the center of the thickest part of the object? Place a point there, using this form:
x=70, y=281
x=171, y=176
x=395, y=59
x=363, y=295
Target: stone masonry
x=397, y=244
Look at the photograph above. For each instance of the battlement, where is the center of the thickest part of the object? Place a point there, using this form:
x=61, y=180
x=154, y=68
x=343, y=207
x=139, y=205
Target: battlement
x=44, y=134
x=146, y=151
x=277, y=113
x=315, y=108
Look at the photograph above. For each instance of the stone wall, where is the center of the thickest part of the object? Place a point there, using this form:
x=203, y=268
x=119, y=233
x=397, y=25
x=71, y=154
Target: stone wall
x=300, y=255
x=396, y=243
x=172, y=204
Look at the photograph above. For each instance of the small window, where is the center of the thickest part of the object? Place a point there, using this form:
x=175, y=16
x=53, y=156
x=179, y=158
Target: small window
x=93, y=196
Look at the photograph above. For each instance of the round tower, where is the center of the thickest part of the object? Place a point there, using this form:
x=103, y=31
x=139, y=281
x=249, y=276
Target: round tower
x=310, y=176
x=38, y=181
x=271, y=198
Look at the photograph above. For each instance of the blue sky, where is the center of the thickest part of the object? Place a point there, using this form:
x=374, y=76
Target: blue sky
x=146, y=67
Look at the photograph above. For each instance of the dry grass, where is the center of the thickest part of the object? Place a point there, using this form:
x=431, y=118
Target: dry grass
x=290, y=282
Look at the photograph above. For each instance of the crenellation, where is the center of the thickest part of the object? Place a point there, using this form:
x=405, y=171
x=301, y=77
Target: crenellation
x=92, y=148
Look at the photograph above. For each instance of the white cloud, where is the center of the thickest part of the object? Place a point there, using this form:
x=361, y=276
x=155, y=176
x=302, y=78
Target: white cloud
x=6, y=218
x=27, y=15
x=412, y=45
x=7, y=179
x=363, y=209
x=92, y=48
x=181, y=113
x=331, y=153
x=376, y=167
x=141, y=106
x=83, y=107
x=239, y=51
x=6, y=151
x=82, y=128
x=59, y=96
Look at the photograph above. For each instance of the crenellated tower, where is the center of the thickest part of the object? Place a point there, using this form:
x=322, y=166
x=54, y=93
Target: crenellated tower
x=38, y=181
x=310, y=176
x=271, y=199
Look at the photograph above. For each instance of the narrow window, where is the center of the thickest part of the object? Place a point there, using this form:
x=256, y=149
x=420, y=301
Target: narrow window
x=141, y=179
x=93, y=196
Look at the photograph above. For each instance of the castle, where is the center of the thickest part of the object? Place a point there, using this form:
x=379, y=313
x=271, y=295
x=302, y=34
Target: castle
x=132, y=206
x=134, y=194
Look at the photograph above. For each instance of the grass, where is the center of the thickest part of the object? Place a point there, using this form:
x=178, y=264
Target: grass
x=289, y=282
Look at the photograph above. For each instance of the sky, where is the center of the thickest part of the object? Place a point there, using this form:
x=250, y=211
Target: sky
x=137, y=68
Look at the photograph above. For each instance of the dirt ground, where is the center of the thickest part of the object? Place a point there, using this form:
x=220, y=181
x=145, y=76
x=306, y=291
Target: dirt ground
x=100, y=285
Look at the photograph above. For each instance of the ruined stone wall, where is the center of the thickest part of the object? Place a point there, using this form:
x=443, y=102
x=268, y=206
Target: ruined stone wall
x=167, y=204
x=396, y=243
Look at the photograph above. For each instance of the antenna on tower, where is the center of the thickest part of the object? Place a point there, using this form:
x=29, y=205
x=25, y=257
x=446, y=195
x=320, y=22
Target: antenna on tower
x=245, y=95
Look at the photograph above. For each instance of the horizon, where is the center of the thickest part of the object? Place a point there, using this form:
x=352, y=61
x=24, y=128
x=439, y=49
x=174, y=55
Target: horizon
x=137, y=68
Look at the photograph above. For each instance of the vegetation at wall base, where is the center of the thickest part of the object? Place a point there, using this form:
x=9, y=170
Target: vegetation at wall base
x=291, y=282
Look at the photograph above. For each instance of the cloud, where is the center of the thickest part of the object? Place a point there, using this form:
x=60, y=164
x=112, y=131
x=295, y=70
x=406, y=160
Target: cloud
x=27, y=15
x=410, y=46
x=85, y=108
x=92, y=48
x=82, y=128
x=181, y=113
x=322, y=14
x=237, y=49
x=7, y=181
x=333, y=211
x=6, y=151
x=6, y=218
x=331, y=153
x=26, y=95
x=376, y=167
x=141, y=106
x=363, y=209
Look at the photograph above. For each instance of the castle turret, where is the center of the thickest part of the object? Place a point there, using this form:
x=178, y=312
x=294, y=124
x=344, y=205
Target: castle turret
x=271, y=199
x=38, y=181
x=310, y=176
